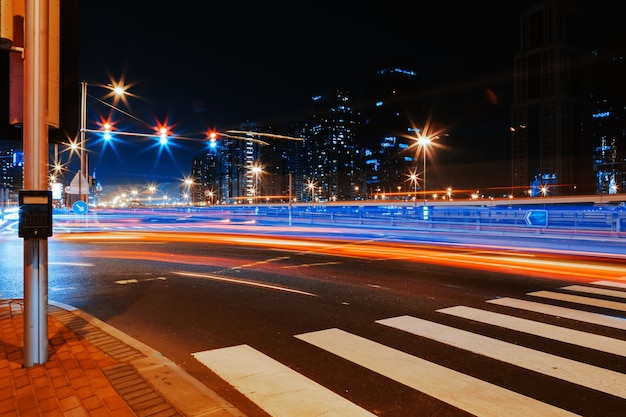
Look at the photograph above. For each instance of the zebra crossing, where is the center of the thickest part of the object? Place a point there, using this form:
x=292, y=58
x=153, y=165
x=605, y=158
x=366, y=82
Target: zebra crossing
x=282, y=391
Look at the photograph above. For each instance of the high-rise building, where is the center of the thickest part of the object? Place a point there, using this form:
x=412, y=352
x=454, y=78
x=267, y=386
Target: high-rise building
x=298, y=162
x=609, y=116
x=231, y=170
x=551, y=150
x=206, y=174
x=391, y=109
x=332, y=152
x=11, y=175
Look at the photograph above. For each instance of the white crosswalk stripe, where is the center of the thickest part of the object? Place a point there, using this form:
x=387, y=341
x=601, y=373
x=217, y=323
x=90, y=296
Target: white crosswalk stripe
x=611, y=284
x=579, y=373
x=281, y=391
x=557, y=311
x=463, y=391
x=274, y=387
x=597, y=302
x=592, y=290
x=563, y=334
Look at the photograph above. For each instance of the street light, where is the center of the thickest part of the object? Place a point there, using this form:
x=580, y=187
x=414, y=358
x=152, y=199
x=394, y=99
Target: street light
x=256, y=172
x=423, y=141
x=311, y=186
x=117, y=91
x=190, y=189
x=413, y=177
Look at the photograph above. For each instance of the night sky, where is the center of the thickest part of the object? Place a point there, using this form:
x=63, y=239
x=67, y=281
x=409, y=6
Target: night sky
x=209, y=66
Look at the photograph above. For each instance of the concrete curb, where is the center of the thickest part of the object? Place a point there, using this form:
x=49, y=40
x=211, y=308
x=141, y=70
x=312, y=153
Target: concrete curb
x=181, y=390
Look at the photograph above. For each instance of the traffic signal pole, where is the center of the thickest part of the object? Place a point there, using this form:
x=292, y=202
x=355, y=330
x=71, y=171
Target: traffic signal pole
x=35, y=177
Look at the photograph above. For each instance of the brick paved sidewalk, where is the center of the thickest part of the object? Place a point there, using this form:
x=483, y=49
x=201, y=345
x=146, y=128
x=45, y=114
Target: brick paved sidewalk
x=71, y=383
x=89, y=372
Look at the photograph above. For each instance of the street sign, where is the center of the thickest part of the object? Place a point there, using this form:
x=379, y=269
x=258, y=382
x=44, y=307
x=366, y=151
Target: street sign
x=536, y=218
x=80, y=207
x=79, y=184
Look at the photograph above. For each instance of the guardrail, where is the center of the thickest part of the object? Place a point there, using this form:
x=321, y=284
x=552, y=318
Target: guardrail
x=606, y=221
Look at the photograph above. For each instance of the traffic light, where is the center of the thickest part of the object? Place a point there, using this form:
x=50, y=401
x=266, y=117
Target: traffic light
x=163, y=135
x=212, y=139
x=107, y=129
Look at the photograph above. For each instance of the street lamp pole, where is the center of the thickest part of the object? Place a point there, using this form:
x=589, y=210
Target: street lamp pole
x=424, y=141
x=414, y=179
x=83, y=127
x=424, y=175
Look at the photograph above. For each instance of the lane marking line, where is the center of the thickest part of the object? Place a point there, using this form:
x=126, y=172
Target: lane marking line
x=243, y=282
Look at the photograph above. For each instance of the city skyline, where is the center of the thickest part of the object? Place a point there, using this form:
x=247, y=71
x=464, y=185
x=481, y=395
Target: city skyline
x=203, y=72
x=213, y=65
x=326, y=51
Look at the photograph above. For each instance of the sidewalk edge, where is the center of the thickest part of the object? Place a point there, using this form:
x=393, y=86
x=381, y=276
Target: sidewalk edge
x=183, y=391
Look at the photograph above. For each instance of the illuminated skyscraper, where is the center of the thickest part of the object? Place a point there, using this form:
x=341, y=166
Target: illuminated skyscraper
x=550, y=146
x=332, y=151
x=609, y=114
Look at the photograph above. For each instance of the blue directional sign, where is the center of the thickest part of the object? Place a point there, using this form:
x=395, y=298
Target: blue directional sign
x=80, y=207
x=536, y=218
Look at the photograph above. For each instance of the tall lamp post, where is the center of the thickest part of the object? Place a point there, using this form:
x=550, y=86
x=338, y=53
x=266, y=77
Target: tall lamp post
x=424, y=141
x=311, y=186
x=256, y=172
x=81, y=152
x=413, y=177
x=118, y=91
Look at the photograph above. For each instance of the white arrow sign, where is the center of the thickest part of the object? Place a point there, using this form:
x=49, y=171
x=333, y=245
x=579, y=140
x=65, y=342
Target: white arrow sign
x=536, y=218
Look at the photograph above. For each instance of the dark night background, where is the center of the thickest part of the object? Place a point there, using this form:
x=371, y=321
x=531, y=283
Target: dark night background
x=208, y=66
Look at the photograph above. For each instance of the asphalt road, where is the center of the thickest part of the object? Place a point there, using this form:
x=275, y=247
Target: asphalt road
x=369, y=327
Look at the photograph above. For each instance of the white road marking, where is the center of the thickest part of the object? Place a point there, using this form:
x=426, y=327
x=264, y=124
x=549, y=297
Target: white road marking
x=137, y=281
x=467, y=393
x=583, y=374
x=549, y=331
x=599, y=291
x=274, y=387
x=611, y=284
x=579, y=299
x=127, y=281
x=557, y=311
x=244, y=282
x=71, y=263
x=310, y=265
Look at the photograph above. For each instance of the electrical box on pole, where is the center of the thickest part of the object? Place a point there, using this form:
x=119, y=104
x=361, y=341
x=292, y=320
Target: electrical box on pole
x=35, y=214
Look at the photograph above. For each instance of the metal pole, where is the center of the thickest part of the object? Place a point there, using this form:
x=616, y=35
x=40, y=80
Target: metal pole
x=35, y=178
x=424, y=174
x=83, y=127
x=289, y=199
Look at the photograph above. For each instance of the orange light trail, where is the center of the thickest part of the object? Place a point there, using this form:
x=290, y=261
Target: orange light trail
x=560, y=266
